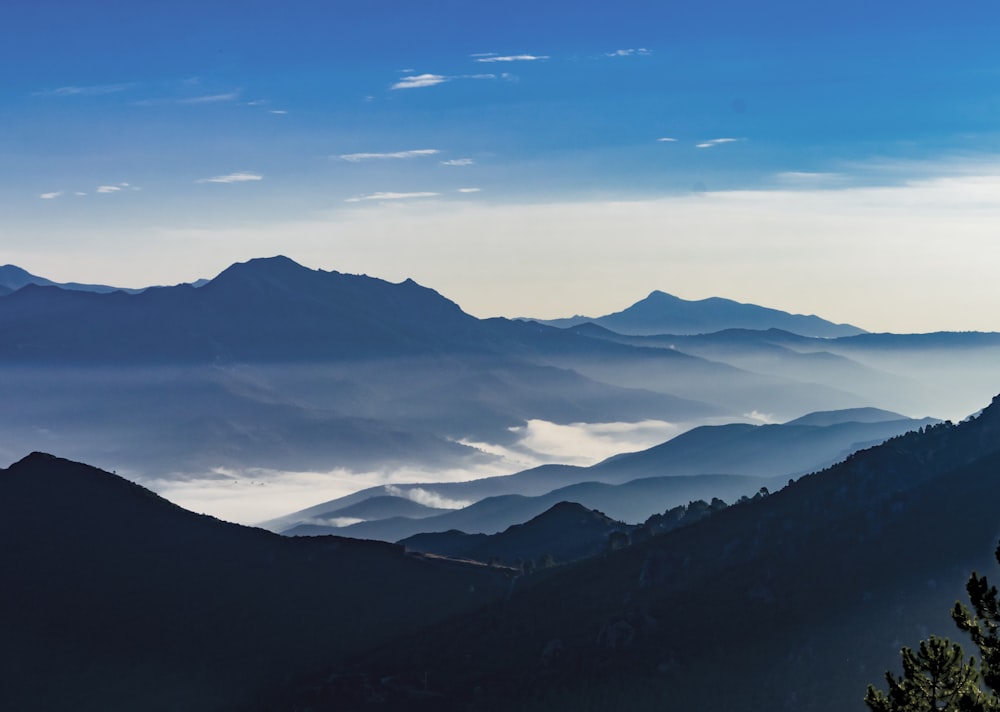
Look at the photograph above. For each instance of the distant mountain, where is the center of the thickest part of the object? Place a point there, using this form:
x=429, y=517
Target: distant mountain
x=725, y=461
x=795, y=600
x=13, y=278
x=662, y=313
x=380, y=508
x=114, y=599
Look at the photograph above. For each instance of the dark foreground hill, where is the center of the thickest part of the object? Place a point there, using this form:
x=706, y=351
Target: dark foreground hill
x=792, y=601
x=115, y=599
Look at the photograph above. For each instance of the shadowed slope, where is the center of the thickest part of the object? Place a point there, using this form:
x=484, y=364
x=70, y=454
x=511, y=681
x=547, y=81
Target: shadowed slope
x=115, y=599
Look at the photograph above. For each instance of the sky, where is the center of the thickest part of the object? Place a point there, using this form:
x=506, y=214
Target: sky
x=524, y=158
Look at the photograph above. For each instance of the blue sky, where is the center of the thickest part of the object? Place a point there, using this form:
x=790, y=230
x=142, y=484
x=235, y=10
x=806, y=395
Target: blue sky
x=838, y=158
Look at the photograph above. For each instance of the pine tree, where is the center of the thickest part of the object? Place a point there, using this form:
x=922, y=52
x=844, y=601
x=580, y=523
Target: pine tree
x=936, y=678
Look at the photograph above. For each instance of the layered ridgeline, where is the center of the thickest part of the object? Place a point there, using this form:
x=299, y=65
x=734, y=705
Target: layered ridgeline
x=115, y=599
x=276, y=366
x=794, y=600
x=725, y=461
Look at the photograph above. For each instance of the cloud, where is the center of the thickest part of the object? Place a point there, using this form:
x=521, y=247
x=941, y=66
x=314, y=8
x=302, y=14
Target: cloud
x=717, y=142
x=469, y=190
x=51, y=196
x=391, y=196
x=511, y=58
x=458, y=162
x=426, y=497
x=541, y=441
x=358, y=157
x=95, y=90
x=211, y=98
x=115, y=188
x=640, y=51
x=237, y=177
x=667, y=139
x=418, y=81
x=280, y=112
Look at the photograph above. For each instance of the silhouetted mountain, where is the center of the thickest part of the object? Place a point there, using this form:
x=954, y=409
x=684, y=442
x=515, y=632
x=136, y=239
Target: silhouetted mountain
x=115, y=599
x=565, y=532
x=662, y=313
x=13, y=278
x=794, y=600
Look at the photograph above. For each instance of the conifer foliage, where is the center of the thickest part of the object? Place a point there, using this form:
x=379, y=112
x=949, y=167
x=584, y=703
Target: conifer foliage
x=938, y=677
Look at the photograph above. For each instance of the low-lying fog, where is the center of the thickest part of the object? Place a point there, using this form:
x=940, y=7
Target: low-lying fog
x=255, y=495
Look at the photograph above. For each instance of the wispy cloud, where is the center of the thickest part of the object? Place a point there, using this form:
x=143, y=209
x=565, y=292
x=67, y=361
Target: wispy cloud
x=458, y=162
x=358, y=157
x=280, y=112
x=115, y=188
x=418, y=81
x=469, y=190
x=237, y=177
x=630, y=52
x=511, y=58
x=211, y=98
x=667, y=139
x=716, y=142
x=52, y=196
x=95, y=90
x=391, y=196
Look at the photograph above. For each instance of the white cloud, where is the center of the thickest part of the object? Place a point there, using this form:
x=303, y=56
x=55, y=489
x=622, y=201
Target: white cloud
x=358, y=157
x=717, y=142
x=541, y=441
x=667, y=139
x=237, y=177
x=426, y=497
x=84, y=91
x=458, y=162
x=418, y=81
x=281, y=112
x=640, y=51
x=211, y=98
x=109, y=188
x=469, y=190
x=51, y=196
x=391, y=196
x=511, y=58
x=78, y=192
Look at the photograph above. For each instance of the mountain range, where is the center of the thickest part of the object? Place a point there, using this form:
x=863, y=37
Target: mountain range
x=274, y=366
x=792, y=600
x=726, y=461
x=117, y=599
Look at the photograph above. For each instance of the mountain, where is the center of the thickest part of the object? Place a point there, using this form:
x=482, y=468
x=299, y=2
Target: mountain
x=115, y=599
x=725, y=461
x=565, y=532
x=662, y=313
x=795, y=600
x=13, y=278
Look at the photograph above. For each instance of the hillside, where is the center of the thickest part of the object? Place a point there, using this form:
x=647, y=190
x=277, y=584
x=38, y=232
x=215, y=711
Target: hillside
x=115, y=599
x=791, y=601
